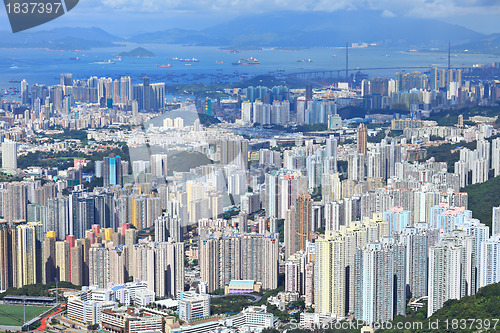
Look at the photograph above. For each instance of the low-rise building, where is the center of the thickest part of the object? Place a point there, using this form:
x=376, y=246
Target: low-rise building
x=193, y=306
x=131, y=320
x=242, y=287
x=87, y=312
x=312, y=320
x=252, y=318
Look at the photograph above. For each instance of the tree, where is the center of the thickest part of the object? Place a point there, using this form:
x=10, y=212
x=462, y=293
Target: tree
x=299, y=304
x=92, y=327
x=219, y=291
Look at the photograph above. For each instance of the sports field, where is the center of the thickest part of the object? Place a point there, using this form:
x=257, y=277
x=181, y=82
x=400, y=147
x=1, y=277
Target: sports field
x=12, y=315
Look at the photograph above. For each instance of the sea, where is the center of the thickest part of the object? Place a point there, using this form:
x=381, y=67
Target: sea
x=214, y=65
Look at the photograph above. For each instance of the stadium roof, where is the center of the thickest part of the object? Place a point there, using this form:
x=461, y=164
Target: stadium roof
x=239, y=282
x=29, y=298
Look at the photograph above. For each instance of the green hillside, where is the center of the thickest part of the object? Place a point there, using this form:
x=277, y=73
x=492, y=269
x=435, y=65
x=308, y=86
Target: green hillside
x=477, y=313
x=483, y=310
x=482, y=198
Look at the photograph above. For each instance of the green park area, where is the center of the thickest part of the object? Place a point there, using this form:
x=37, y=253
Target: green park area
x=12, y=315
x=229, y=304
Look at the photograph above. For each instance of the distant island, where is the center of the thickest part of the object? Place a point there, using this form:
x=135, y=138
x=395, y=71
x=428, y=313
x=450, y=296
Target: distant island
x=139, y=52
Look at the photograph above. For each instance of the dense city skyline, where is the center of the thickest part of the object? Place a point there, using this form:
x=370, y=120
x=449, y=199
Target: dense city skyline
x=255, y=172
x=342, y=206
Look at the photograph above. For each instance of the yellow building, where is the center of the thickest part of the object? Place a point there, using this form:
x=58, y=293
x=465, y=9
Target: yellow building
x=335, y=260
x=28, y=243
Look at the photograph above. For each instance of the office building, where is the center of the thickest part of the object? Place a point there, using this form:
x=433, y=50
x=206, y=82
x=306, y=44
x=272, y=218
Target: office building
x=239, y=257
x=161, y=265
x=304, y=226
x=417, y=241
x=361, y=143
x=193, y=306
x=334, y=266
x=495, y=221
x=451, y=270
x=118, y=264
x=290, y=231
x=49, y=258
x=158, y=163
x=9, y=155
x=168, y=226
x=62, y=262
x=489, y=267
x=380, y=282
x=28, y=252
x=112, y=171
x=99, y=267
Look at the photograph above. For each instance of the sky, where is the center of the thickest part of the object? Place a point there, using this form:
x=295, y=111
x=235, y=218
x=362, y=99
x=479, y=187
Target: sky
x=128, y=17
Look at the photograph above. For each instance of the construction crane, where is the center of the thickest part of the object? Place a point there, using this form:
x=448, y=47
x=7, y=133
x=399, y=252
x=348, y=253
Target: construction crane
x=329, y=93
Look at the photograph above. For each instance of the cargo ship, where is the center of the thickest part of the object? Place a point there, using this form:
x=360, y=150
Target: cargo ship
x=167, y=65
x=247, y=61
x=189, y=60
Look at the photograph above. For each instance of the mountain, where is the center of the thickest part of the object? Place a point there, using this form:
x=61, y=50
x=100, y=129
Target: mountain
x=316, y=29
x=488, y=44
x=60, y=39
x=285, y=30
x=479, y=311
x=479, y=200
x=138, y=52
x=178, y=36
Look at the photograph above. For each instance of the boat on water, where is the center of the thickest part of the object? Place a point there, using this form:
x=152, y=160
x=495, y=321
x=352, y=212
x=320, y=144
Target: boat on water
x=13, y=67
x=109, y=62
x=189, y=60
x=246, y=61
x=304, y=60
x=219, y=62
x=162, y=66
x=74, y=58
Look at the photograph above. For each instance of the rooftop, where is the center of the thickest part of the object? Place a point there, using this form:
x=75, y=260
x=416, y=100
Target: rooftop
x=249, y=282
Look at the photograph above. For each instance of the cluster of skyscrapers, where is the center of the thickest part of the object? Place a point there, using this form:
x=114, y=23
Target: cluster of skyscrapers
x=104, y=91
x=359, y=225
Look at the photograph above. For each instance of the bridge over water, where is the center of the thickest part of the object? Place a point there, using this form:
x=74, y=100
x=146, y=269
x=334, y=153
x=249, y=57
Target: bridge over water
x=343, y=73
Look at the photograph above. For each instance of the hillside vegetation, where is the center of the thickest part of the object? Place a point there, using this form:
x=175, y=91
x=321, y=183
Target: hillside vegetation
x=482, y=198
x=483, y=308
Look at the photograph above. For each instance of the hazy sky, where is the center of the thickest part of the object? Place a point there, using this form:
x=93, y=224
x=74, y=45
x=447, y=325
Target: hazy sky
x=125, y=17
